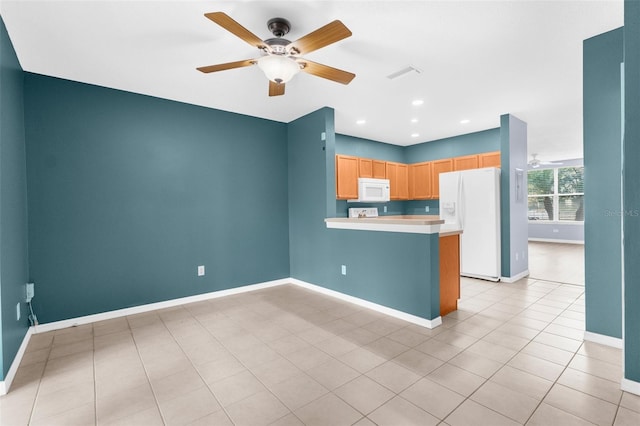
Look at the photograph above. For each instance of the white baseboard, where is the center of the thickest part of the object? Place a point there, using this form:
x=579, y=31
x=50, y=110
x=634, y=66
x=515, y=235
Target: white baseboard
x=516, y=277
x=11, y=374
x=57, y=325
x=630, y=386
x=551, y=240
x=374, y=306
x=614, y=342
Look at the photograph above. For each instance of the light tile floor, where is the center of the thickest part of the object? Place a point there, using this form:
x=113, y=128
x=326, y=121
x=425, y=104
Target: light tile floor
x=558, y=262
x=512, y=354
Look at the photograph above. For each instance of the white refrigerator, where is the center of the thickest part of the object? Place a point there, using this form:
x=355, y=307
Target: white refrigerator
x=470, y=201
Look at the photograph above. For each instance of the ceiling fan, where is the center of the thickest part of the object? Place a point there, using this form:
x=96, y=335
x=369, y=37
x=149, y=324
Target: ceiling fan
x=535, y=163
x=281, y=59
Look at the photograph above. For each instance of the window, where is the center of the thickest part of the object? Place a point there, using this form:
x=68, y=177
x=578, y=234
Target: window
x=556, y=194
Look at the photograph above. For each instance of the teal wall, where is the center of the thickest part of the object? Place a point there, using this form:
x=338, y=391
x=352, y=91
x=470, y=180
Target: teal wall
x=514, y=229
x=359, y=147
x=310, y=174
x=456, y=146
x=128, y=194
x=394, y=270
x=602, y=56
x=14, y=265
x=632, y=190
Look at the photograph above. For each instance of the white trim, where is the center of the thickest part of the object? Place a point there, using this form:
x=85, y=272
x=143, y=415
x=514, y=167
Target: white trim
x=11, y=374
x=370, y=305
x=630, y=386
x=553, y=240
x=153, y=306
x=516, y=277
x=602, y=339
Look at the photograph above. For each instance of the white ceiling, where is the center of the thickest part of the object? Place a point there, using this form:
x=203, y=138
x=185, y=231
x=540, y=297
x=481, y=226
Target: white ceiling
x=479, y=59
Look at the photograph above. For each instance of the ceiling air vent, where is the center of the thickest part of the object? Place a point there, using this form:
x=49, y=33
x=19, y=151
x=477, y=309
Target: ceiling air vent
x=404, y=71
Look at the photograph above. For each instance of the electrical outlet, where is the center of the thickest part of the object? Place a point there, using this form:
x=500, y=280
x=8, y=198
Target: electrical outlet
x=29, y=292
x=556, y=230
x=426, y=209
x=18, y=312
x=516, y=255
x=385, y=209
x=344, y=269
x=201, y=271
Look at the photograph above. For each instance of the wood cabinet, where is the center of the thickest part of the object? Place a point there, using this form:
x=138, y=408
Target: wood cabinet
x=420, y=178
x=379, y=169
x=419, y=181
x=489, y=159
x=437, y=167
x=465, y=163
x=346, y=177
x=398, y=175
x=449, y=273
x=370, y=168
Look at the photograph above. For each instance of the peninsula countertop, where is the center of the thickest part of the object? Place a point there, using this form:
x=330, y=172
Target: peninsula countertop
x=415, y=224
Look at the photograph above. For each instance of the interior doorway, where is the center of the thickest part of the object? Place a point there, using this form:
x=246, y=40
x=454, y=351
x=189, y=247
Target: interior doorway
x=559, y=262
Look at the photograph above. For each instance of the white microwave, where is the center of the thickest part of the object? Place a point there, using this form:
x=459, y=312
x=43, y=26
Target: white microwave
x=372, y=191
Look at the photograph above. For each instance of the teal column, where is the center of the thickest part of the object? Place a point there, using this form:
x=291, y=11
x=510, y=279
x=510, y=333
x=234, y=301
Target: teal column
x=602, y=56
x=631, y=193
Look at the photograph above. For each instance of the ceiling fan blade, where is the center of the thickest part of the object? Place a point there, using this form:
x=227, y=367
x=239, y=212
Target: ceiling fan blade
x=226, y=22
x=326, y=71
x=227, y=66
x=276, y=89
x=323, y=36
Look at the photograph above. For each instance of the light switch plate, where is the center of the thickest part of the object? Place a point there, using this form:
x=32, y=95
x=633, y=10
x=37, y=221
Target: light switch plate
x=201, y=270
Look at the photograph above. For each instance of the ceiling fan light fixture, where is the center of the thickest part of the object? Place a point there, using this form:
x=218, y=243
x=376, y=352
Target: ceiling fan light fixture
x=278, y=68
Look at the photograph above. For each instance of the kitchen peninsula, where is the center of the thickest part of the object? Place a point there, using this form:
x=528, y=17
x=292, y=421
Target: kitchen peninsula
x=428, y=285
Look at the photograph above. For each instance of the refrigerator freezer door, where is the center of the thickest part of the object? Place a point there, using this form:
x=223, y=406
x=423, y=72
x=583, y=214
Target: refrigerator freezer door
x=480, y=240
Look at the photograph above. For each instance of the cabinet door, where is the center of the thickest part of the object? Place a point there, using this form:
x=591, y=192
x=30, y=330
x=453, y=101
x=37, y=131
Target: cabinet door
x=465, y=163
x=391, y=173
x=403, y=182
x=489, y=159
x=346, y=177
x=420, y=181
x=365, y=168
x=379, y=169
x=449, y=273
x=437, y=167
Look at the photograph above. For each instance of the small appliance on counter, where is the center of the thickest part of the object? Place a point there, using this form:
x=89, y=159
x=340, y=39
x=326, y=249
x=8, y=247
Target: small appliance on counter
x=372, y=191
x=360, y=212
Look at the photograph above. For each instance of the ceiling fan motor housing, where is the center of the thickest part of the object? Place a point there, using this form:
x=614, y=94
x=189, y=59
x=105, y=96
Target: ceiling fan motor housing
x=278, y=26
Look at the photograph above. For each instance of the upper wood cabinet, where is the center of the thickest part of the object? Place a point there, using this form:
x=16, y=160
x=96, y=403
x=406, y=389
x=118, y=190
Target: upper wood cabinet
x=398, y=175
x=420, y=178
x=369, y=168
x=379, y=169
x=346, y=177
x=437, y=167
x=489, y=159
x=465, y=163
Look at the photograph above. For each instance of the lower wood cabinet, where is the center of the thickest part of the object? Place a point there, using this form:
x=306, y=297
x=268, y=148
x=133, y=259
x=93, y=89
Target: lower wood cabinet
x=449, y=273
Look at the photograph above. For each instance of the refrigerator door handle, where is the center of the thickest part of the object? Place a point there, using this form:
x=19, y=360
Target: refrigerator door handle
x=461, y=202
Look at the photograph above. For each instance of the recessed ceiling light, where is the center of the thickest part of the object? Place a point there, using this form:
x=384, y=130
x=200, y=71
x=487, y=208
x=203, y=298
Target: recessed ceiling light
x=361, y=121
x=417, y=102
x=414, y=120
x=415, y=135
x=465, y=121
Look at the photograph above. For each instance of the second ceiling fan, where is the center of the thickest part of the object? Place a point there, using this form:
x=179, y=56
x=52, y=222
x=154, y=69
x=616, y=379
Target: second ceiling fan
x=281, y=59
